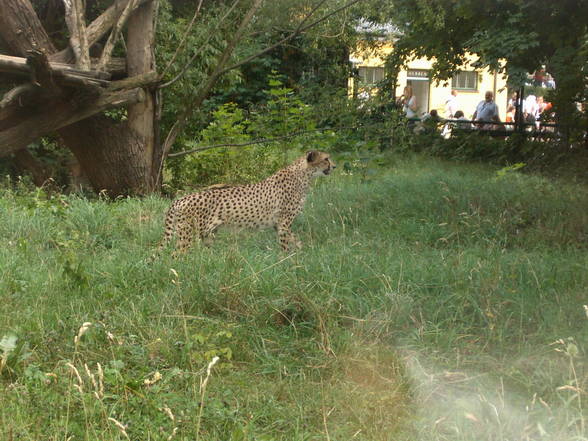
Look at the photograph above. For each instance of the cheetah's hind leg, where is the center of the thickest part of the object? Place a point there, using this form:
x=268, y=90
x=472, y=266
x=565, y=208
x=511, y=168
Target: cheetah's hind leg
x=207, y=234
x=168, y=235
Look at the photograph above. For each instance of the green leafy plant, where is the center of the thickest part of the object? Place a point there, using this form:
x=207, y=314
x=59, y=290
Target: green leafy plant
x=250, y=145
x=509, y=169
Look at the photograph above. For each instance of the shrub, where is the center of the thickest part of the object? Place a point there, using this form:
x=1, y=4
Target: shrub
x=241, y=147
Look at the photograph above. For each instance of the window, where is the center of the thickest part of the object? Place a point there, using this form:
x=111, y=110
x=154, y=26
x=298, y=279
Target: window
x=371, y=75
x=465, y=80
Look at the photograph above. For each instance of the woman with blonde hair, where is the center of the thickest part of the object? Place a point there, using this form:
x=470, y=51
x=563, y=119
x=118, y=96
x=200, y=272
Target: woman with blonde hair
x=408, y=101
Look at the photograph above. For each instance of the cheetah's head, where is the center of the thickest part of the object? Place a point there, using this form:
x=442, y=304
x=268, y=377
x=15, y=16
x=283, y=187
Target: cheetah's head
x=319, y=162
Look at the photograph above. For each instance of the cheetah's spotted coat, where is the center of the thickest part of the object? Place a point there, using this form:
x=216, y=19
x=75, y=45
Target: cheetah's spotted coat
x=273, y=202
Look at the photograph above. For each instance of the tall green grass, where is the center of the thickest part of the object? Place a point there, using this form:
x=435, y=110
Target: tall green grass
x=431, y=301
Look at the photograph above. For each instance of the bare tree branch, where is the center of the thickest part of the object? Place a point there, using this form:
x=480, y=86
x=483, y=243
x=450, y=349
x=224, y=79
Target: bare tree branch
x=184, y=38
x=19, y=65
x=19, y=93
x=58, y=71
x=255, y=141
x=147, y=79
x=200, y=49
x=57, y=114
x=78, y=39
x=181, y=121
x=301, y=28
x=268, y=140
x=114, y=34
x=97, y=29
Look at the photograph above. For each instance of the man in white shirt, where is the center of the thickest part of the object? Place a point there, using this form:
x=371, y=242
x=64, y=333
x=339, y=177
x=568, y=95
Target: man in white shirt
x=487, y=112
x=451, y=105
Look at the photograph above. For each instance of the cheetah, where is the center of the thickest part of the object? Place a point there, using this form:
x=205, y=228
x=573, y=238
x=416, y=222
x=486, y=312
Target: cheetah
x=273, y=202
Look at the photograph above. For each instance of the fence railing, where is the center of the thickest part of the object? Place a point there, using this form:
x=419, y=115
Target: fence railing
x=538, y=129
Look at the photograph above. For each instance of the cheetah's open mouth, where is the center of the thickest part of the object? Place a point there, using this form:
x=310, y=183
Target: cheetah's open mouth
x=327, y=171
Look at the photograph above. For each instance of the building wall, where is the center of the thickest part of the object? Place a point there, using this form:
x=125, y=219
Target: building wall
x=434, y=95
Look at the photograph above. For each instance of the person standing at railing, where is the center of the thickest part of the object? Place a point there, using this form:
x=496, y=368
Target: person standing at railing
x=451, y=105
x=512, y=101
x=408, y=102
x=462, y=122
x=409, y=105
x=531, y=112
x=487, y=112
x=510, y=117
x=429, y=123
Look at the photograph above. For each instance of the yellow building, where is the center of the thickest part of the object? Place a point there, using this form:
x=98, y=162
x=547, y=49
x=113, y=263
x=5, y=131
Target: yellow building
x=471, y=84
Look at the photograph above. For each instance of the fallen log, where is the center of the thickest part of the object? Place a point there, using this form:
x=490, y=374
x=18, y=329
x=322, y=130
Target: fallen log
x=61, y=71
x=53, y=115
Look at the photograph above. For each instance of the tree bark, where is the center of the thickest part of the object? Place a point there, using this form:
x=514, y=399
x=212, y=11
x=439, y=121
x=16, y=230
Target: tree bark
x=27, y=162
x=118, y=157
x=17, y=132
x=140, y=61
x=110, y=157
x=96, y=30
x=19, y=66
x=75, y=18
x=21, y=29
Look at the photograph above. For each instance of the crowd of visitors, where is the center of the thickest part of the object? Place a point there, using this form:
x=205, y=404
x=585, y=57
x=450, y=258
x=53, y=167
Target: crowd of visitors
x=485, y=116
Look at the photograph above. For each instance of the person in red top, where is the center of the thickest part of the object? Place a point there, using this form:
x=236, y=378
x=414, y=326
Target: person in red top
x=510, y=115
x=539, y=77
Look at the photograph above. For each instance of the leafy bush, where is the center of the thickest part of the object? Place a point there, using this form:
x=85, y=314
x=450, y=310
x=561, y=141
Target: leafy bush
x=536, y=154
x=242, y=147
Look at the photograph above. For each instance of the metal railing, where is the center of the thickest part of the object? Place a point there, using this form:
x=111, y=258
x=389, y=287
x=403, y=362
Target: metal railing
x=538, y=129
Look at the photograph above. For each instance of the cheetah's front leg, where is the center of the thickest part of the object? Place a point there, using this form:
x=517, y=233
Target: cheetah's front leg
x=184, y=233
x=285, y=235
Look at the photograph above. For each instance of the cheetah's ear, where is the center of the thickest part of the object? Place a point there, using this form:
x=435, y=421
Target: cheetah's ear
x=312, y=156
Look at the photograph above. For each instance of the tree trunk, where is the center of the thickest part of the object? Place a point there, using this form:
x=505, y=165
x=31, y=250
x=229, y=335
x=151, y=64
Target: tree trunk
x=24, y=160
x=118, y=156
x=140, y=60
x=111, y=157
x=21, y=29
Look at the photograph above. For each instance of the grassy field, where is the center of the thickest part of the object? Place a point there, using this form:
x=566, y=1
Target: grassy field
x=432, y=301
